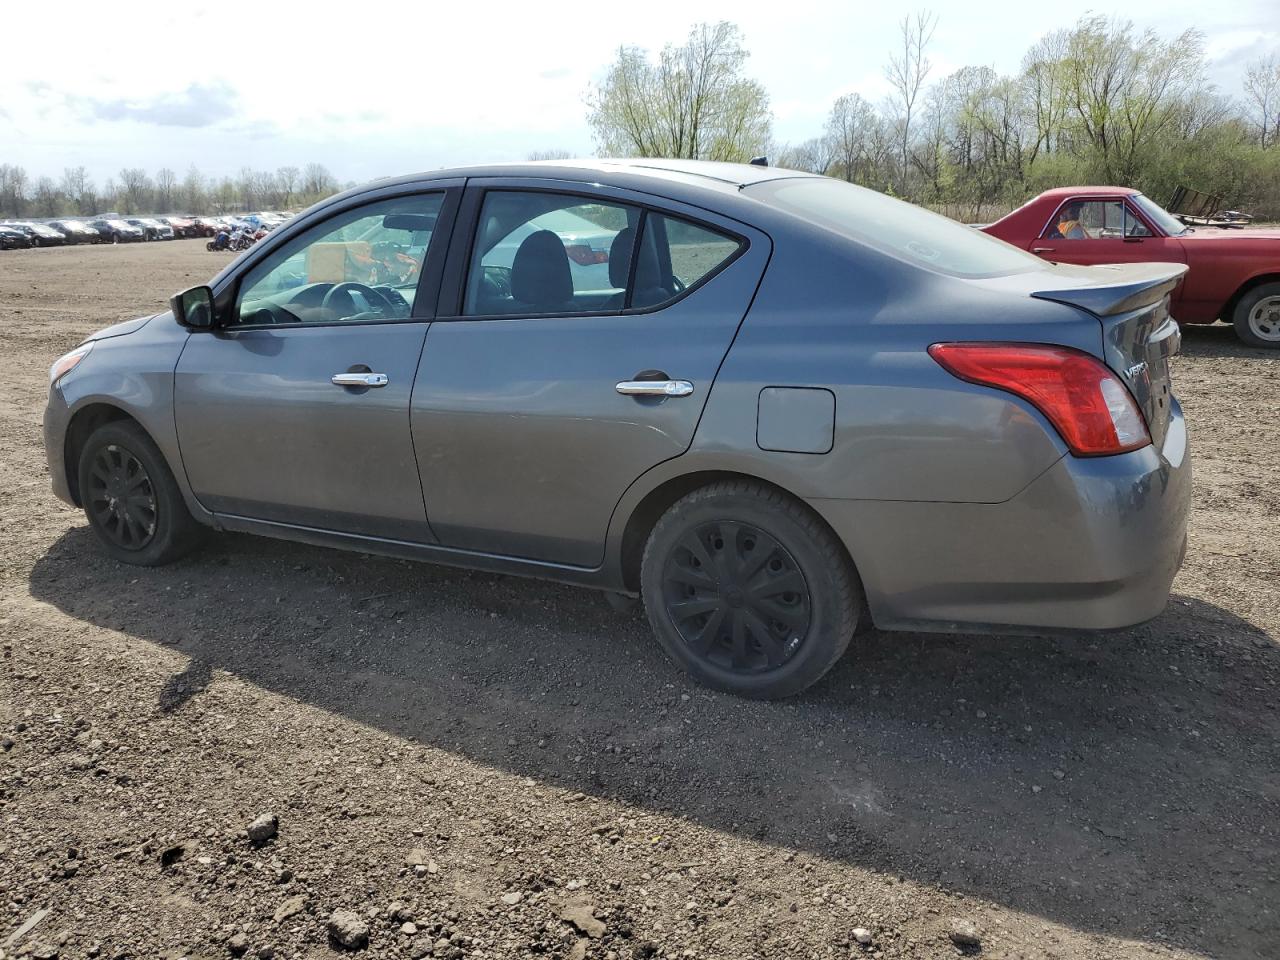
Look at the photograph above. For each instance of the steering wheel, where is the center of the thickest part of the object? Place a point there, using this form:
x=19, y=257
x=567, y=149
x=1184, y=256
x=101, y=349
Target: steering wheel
x=373, y=296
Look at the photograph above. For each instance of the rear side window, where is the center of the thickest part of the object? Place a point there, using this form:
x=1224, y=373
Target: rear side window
x=892, y=226
x=549, y=253
x=539, y=254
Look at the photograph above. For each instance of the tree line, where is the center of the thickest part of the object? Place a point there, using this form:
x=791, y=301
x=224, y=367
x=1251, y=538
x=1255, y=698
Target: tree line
x=134, y=191
x=1098, y=102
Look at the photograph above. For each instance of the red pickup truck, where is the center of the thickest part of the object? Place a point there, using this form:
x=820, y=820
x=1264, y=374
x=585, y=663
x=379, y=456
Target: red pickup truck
x=1234, y=274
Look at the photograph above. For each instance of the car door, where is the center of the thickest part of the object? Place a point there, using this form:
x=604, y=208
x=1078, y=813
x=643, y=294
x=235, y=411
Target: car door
x=296, y=408
x=1107, y=230
x=574, y=349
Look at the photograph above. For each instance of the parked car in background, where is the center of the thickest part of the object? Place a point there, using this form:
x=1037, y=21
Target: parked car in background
x=76, y=231
x=181, y=226
x=207, y=226
x=41, y=235
x=117, y=231
x=13, y=239
x=789, y=407
x=1234, y=275
x=152, y=229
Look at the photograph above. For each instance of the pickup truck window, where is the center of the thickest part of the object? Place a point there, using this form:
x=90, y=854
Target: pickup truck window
x=1095, y=220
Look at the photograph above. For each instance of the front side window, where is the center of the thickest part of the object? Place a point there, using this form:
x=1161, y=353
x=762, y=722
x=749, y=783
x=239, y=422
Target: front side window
x=1095, y=220
x=363, y=264
x=544, y=253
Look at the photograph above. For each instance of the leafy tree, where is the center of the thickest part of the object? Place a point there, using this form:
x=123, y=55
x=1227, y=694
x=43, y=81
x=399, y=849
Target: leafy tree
x=692, y=102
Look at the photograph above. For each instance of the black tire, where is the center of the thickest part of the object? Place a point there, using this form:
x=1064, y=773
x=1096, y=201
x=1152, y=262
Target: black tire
x=771, y=557
x=1257, y=316
x=131, y=499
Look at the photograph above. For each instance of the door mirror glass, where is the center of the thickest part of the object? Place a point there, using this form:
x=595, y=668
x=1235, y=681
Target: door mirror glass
x=193, y=308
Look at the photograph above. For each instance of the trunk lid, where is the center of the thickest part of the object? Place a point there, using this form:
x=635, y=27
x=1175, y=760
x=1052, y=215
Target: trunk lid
x=1131, y=302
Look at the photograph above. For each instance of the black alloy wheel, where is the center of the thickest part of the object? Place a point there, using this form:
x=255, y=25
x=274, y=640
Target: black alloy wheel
x=736, y=596
x=121, y=498
x=131, y=499
x=749, y=590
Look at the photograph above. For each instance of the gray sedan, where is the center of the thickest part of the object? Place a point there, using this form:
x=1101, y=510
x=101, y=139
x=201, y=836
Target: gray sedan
x=777, y=407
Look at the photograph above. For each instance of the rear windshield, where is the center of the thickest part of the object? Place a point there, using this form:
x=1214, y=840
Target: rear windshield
x=900, y=229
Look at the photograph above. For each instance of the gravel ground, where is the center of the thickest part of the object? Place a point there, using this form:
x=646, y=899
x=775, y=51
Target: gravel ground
x=464, y=765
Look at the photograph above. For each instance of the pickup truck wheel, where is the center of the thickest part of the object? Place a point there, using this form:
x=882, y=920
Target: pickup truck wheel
x=748, y=590
x=131, y=498
x=1257, y=316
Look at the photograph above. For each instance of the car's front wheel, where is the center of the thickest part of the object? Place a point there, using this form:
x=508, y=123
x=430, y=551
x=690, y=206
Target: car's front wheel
x=131, y=498
x=749, y=590
x=1257, y=316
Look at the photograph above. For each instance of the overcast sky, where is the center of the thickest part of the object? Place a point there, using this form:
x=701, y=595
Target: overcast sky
x=371, y=89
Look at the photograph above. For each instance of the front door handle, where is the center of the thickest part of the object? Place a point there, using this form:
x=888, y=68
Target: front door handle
x=359, y=379
x=1042, y=249
x=655, y=388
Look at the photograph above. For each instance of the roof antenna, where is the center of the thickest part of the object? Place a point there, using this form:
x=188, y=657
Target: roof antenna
x=759, y=161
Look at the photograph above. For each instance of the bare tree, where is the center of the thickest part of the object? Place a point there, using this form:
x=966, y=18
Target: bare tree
x=78, y=189
x=694, y=102
x=813, y=156
x=550, y=155
x=1043, y=81
x=193, y=193
x=166, y=181
x=135, y=187
x=850, y=128
x=287, y=182
x=317, y=181
x=907, y=72
x=1262, y=87
x=13, y=189
x=47, y=197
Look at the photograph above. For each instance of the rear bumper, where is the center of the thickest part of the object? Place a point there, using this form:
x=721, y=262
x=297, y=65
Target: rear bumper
x=1090, y=544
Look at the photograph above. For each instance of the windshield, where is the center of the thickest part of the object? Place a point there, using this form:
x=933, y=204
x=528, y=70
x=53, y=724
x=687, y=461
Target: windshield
x=899, y=229
x=1165, y=222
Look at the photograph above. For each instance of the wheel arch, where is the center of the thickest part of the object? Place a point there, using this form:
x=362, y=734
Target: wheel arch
x=655, y=502
x=1229, y=308
x=81, y=426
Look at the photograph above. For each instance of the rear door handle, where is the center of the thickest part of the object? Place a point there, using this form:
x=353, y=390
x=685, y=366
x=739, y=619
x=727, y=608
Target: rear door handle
x=1042, y=249
x=359, y=379
x=655, y=388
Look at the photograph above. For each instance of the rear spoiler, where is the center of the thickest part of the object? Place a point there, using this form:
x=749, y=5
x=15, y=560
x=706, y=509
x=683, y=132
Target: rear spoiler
x=1118, y=288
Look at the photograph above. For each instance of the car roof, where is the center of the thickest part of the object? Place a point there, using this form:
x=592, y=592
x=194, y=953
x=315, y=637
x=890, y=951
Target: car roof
x=637, y=173
x=1057, y=192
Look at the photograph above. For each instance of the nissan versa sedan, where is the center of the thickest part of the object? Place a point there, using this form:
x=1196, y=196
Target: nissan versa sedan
x=787, y=409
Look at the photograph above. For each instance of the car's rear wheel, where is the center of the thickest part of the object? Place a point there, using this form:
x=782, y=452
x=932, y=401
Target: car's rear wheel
x=748, y=590
x=131, y=498
x=1257, y=316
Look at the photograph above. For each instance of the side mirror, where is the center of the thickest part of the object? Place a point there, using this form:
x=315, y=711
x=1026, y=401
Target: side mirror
x=193, y=308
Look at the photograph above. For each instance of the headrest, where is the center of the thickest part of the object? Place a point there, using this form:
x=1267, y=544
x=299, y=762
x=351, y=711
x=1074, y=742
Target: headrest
x=540, y=273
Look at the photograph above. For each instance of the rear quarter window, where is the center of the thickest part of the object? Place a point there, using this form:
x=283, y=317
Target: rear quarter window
x=892, y=226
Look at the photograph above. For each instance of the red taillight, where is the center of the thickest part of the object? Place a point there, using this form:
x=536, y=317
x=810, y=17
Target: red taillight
x=1086, y=403
x=584, y=255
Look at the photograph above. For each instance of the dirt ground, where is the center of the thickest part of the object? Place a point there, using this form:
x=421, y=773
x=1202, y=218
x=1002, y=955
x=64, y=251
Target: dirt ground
x=478, y=766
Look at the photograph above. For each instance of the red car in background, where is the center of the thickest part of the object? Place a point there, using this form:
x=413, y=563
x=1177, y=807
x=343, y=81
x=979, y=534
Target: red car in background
x=1234, y=275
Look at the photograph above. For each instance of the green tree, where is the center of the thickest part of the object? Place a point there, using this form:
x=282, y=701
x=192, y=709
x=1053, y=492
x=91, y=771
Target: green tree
x=693, y=102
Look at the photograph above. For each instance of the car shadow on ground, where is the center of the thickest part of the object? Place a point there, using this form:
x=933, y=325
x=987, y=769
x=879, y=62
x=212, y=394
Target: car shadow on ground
x=1111, y=782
